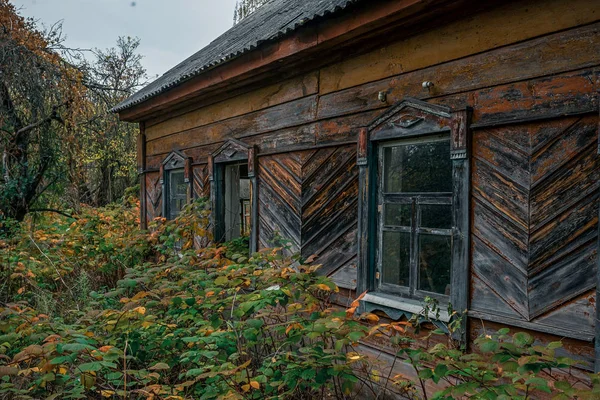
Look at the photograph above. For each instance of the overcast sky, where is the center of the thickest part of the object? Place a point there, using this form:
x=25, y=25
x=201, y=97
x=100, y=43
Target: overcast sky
x=170, y=30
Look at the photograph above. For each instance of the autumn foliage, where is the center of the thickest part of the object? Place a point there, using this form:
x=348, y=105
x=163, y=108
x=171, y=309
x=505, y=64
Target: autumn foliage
x=95, y=308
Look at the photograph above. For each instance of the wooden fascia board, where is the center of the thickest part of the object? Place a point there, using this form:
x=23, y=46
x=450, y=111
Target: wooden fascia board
x=328, y=33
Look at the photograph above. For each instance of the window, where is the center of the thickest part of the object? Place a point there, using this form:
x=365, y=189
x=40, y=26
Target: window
x=415, y=217
x=175, y=184
x=177, y=193
x=413, y=225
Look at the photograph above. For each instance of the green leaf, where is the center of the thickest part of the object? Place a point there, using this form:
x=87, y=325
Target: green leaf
x=159, y=367
x=562, y=385
x=522, y=339
x=221, y=280
x=355, y=336
x=426, y=373
x=90, y=367
x=489, y=346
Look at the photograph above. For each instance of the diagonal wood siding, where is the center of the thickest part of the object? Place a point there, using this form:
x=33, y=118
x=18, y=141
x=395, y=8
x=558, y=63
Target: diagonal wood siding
x=153, y=196
x=201, y=181
x=535, y=221
x=311, y=198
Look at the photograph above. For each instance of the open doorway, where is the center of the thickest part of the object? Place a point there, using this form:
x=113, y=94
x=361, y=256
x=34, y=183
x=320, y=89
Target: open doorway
x=236, y=194
x=233, y=192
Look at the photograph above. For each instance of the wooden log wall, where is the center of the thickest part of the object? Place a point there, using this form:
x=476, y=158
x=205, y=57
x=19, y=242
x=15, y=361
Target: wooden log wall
x=530, y=69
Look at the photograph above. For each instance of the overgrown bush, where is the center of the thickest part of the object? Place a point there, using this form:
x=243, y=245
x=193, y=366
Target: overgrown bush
x=94, y=308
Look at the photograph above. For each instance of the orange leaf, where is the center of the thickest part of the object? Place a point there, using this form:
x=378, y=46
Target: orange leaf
x=255, y=385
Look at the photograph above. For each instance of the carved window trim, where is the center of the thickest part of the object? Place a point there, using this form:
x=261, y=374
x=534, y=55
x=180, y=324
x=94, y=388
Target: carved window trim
x=412, y=118
x=173, y=162
x=233, y=151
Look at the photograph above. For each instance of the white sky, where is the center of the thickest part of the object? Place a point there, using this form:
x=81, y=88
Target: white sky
x=170, y=30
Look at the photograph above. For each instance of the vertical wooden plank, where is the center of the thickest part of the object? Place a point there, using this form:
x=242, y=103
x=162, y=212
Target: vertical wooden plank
x=461, y=194
x=363, y=211
x=141, y=153
x=597, y=339
x=213, y=196
x=163, y=191
x=188, y=178
x=252, y=164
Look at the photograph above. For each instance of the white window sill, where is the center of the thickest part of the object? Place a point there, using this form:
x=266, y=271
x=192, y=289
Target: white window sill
x=396, y=307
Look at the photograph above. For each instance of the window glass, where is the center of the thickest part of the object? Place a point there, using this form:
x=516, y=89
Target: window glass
x=416, y=226
x=396, y=258
x=418, y=167
x=435, y=259
x=398, y=214
x=177, y=193
x=436, y=216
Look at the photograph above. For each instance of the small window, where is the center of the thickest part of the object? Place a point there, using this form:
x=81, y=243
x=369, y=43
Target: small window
x=176, y=193
x=415, y=217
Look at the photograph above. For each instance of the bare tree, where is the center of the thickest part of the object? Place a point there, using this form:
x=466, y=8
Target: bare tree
x=244, y=8
x=110, y=150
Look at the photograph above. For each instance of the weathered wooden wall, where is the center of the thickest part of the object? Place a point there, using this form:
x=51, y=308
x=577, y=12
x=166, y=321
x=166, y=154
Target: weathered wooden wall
x=310, y=197
x=535, y=208
x=530, y=70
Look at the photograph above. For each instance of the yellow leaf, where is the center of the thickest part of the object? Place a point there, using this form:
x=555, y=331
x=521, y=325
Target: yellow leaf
x=88, y=379
x=62, y=370
x=140, y=295
x=255, y=384
x=371, y=317
x=245, y=388
x=107, y=393
x=140, y=310
x=324, y=287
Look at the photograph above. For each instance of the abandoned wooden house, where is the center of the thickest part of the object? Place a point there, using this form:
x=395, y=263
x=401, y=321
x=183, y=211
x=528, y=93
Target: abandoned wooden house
x=444, y=148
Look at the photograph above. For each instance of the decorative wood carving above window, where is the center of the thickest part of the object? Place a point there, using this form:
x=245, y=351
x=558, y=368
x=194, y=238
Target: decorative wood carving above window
x=413, y=208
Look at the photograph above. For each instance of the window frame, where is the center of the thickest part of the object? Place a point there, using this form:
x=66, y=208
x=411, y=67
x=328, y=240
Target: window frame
x=174, y=162
x=415, y=200
x=169, y=194
x=413, y=119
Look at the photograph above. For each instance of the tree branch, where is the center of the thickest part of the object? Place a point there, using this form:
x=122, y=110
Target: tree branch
x=42, y=210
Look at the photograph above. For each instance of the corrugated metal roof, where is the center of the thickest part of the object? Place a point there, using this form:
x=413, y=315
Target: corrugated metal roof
x=269, y=23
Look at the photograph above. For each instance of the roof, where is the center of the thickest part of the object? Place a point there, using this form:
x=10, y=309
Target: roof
x=269, y=23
